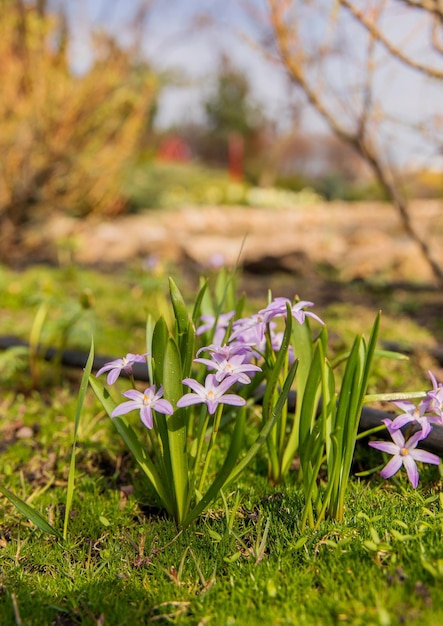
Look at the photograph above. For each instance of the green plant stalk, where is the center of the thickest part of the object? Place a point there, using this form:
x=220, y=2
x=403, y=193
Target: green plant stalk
x=159, y=341
x=367, y=355
x=343, y=423
x=303, y=349
x=350, y=404
x=199, y=438
x=277, y=366
x=80, y=402
x=211, y=445
x=177, y=429
x=224, y=475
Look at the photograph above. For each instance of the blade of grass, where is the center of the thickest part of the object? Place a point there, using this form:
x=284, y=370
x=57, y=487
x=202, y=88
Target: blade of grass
x=30, y=513
x=80, y=401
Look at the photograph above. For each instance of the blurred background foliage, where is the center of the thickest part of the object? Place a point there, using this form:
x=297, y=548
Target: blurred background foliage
x=86, y=143
x=65, y=139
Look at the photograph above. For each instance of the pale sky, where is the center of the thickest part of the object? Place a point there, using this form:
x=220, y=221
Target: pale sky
x=173, y=39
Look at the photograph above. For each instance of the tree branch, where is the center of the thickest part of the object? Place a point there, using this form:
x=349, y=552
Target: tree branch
x=377, y=34
x=358, y=140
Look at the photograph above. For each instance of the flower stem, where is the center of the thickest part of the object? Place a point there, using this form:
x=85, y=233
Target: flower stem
x=215, y=428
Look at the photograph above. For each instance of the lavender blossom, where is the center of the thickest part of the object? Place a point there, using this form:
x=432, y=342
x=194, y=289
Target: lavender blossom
x=146, y=402
x=412, y=413
x=405, y=453
x=116, y=367
x=220, y=323
x=277, y=308
x=232, y=366
x=211, y=394
x=226, y=351
x=250, y=330
x=434, y=398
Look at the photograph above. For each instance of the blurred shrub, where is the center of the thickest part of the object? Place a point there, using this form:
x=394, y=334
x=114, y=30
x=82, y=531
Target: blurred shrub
x=64, y=139
x=425, y=184
x=156, y=184
x=334, y=186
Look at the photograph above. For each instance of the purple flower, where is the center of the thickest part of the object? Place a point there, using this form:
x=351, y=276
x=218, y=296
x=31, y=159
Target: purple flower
x=226, y=351
x=211, y=394
x=250, y=329
x=405, y=453
x=116, y=367
x=232, y=366
x=300, y=315
x=277, y=308
x=220, y=323
x=434, y=398
x=412, y=413
x=146, y=402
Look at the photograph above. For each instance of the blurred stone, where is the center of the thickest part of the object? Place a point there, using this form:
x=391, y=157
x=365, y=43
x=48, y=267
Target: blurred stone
x=357, y=241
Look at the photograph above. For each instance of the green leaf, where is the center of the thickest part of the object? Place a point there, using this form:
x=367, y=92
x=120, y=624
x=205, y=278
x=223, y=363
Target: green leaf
x=149, y=339
x=30, y=513
x=187, y=350
x=176, y=426
x=197, y=310
x=80, y=402
x=159, y=341
x=179, y=306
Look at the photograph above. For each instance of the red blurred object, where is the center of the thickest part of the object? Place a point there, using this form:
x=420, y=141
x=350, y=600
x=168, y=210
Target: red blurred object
x=236, y=149
x=174, y=148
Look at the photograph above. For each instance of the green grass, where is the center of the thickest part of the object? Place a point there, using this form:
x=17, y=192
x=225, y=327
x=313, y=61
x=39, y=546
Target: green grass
x=129, y=566
x=246, y=561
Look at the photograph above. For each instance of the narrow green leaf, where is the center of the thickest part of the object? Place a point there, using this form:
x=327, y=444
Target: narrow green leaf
x=394, y=396
x=176, y=425
x=30, y=513
x=149, y=339
x=159, y=340
x=188, y=350
x=179, y=306
x=197, y=310
x=80, y=402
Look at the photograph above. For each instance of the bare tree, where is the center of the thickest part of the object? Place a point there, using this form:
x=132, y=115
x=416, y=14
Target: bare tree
x=339, y=53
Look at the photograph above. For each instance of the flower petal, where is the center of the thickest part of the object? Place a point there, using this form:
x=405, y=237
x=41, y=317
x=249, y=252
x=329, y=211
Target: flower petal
x=133, y=394
x=146, y=416
x=392, y=467
x=424, y=456
x=113, y=375
x=195, y=385
x=126, y=407
x=163, y=406
x=232, y=398
x=190, y=398
x=385, y=446
x=411, y=469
